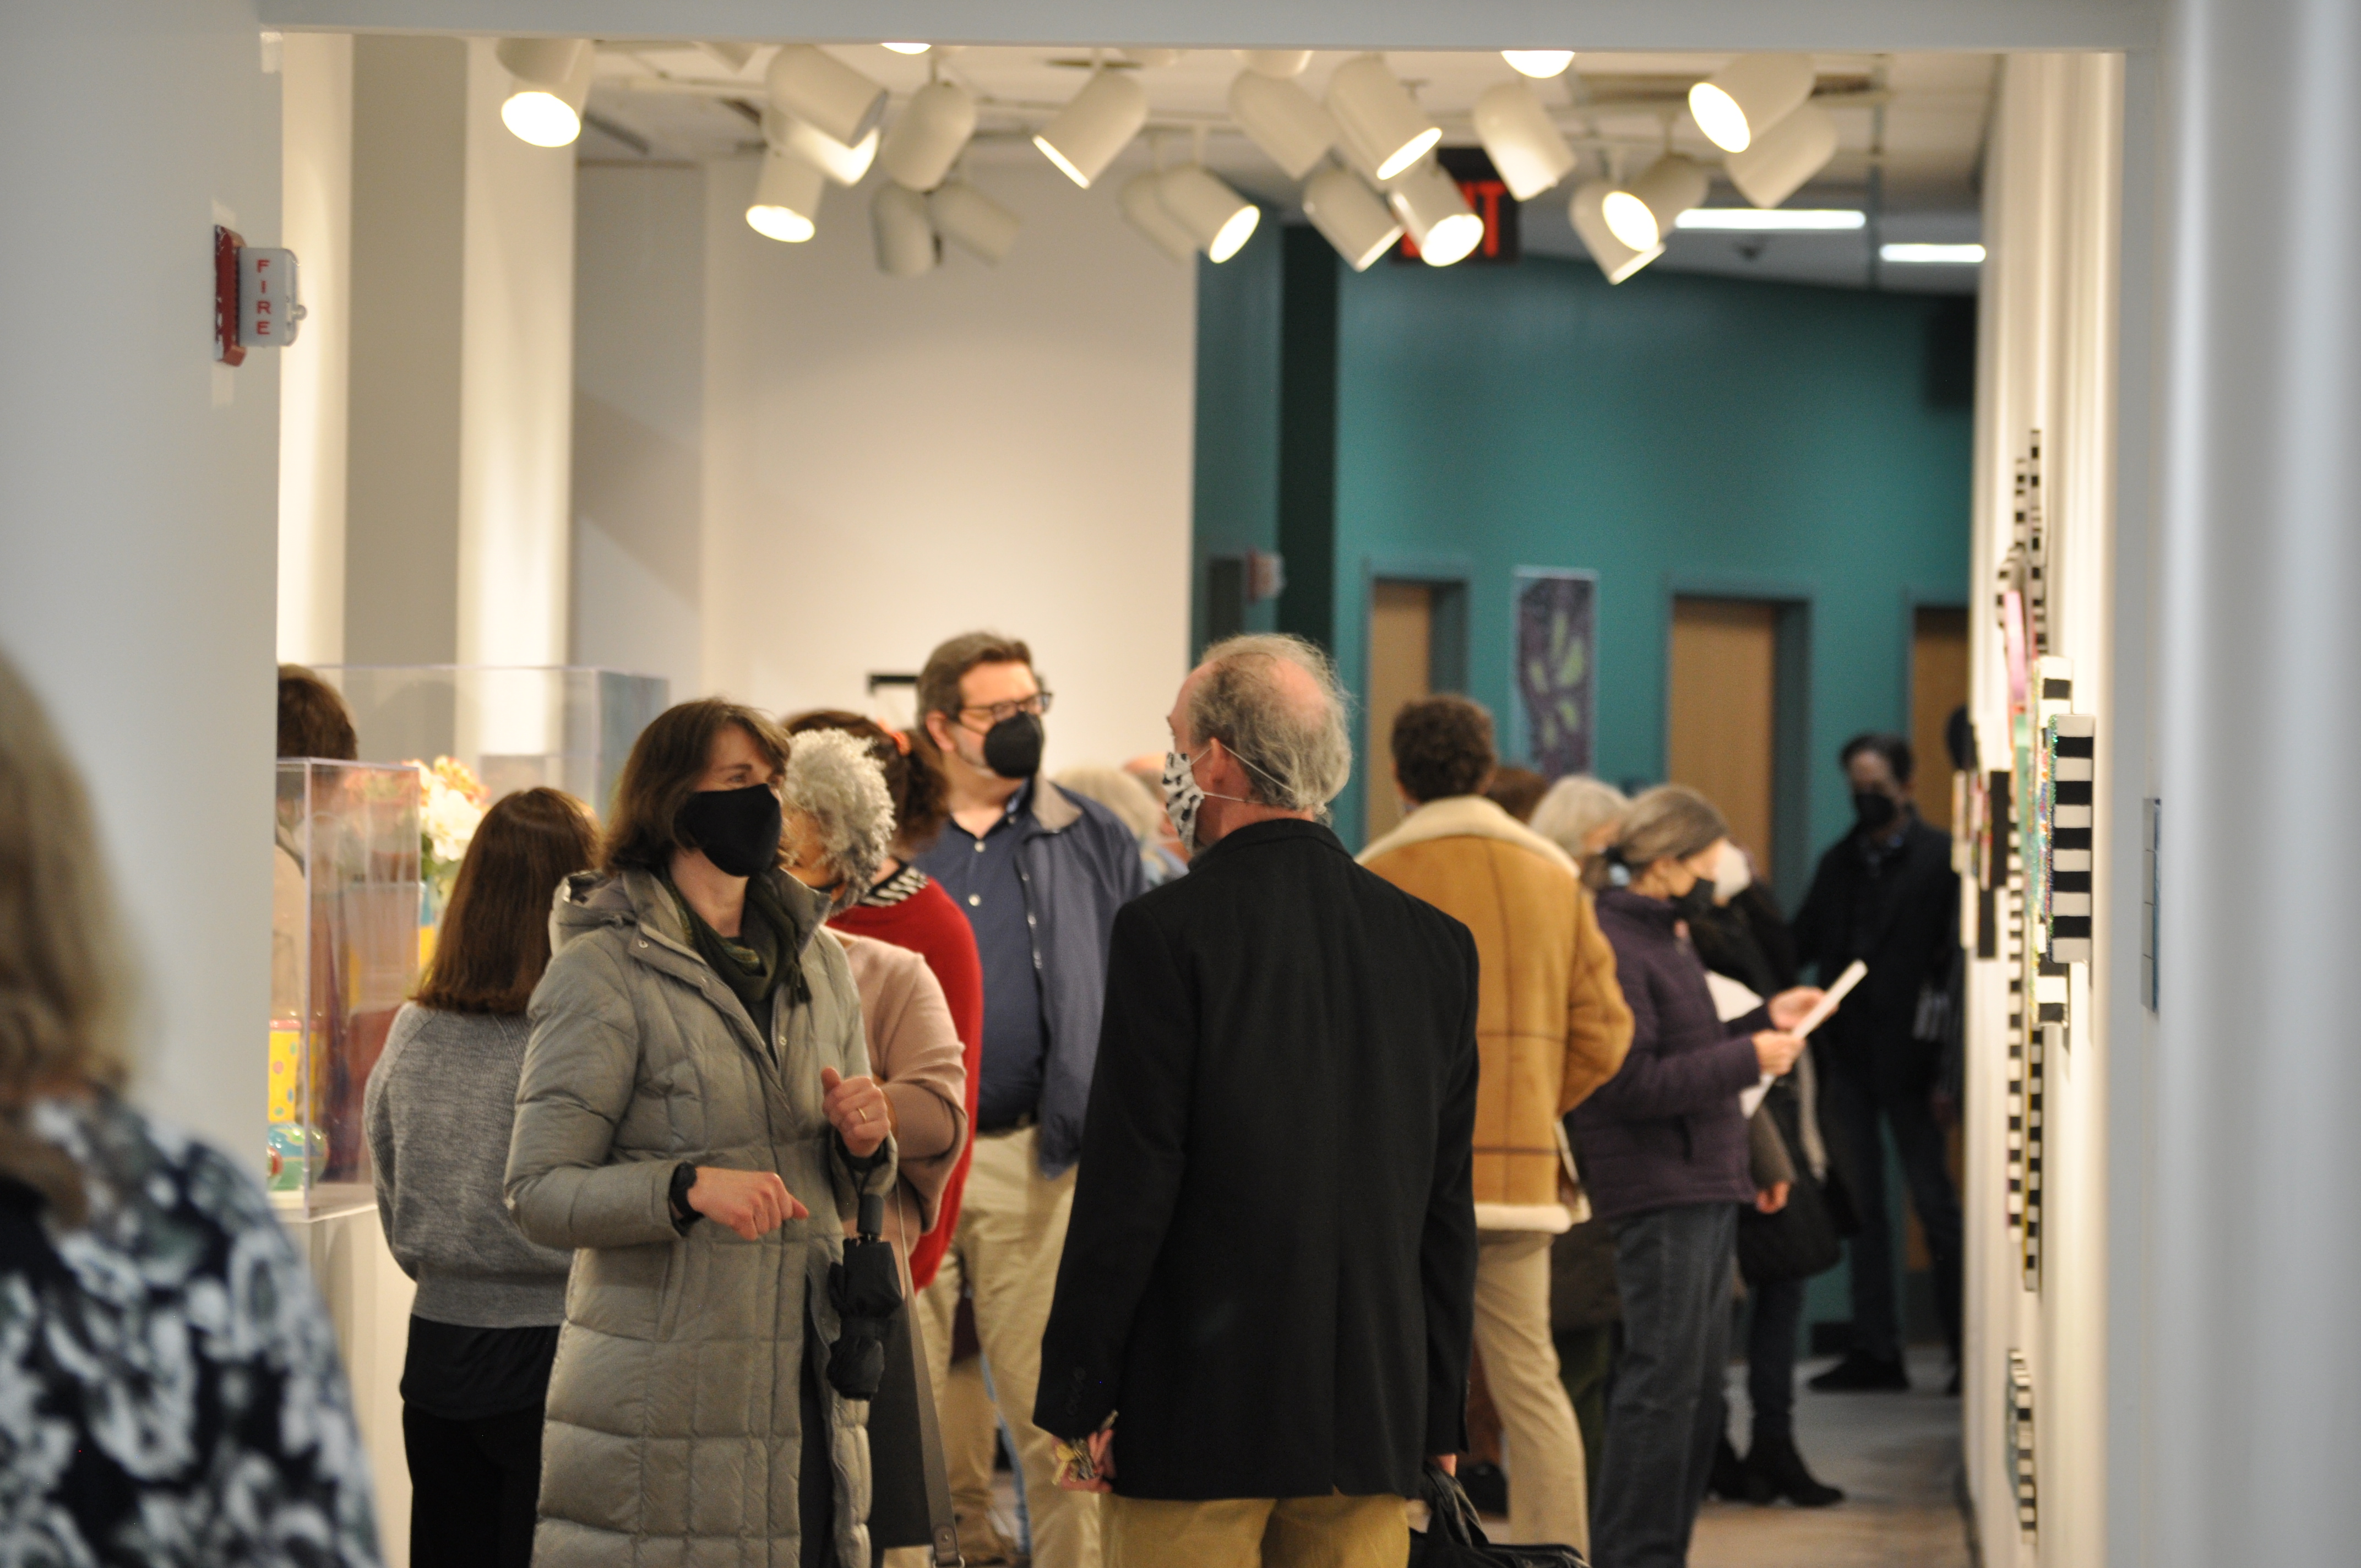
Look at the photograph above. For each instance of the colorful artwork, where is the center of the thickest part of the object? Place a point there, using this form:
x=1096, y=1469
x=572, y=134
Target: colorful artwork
x=1556, y=689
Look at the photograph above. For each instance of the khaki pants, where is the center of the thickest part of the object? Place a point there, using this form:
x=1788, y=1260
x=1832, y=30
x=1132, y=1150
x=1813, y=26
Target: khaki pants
x=1011, y=1228
x=1257, y=1532
x=1549, y=1496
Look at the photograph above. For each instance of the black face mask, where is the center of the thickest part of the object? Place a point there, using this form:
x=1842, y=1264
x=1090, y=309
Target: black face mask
x=1696, y=903
x=1874, y=810
x=737, y=828
x=1012, y=747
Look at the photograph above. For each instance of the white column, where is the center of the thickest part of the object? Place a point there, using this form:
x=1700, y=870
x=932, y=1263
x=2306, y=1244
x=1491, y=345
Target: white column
x=2253, y=1382
x=316, y=76
x=137, y=493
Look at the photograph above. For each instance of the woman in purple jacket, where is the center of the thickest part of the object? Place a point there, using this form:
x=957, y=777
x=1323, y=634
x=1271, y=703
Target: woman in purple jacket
x=1664, y=1160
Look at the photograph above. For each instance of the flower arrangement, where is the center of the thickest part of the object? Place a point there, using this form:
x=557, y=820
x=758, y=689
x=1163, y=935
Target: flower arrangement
x=452, y=802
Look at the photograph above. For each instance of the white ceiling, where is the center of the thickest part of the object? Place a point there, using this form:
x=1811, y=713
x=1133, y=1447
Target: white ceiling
x=1918, y=119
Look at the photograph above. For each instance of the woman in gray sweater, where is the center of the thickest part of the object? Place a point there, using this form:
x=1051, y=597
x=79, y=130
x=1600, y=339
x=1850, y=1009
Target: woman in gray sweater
x=483, y=1329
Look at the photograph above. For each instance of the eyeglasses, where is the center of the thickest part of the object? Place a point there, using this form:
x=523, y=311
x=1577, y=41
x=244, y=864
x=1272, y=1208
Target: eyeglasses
x=1036, y=705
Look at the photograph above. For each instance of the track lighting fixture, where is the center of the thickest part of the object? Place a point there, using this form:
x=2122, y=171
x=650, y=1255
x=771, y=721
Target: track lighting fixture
x=1643, y=213
x=1149, y=59
x=553, y=82
x=1086, y=135
x=786, y=198
x=906, y=49
x=927, y=136
x=1371, y=105
x=1143, y=205
x=1775, y=165
x=1349, y=216
x=1217, y=218
x=817, y=88
x=843, y=164
x=972, y=221
x=1748, y=96
x=731, y=56
x=1523, y=142
x=1283, y=63
x=1539, y=63
x=1283, y=120
x=1435, y=212
x=1616, y=260
x=903, y=233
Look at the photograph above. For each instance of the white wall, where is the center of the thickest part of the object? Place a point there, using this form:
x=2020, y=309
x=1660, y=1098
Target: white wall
x=317, y=145
x=891, y=461
x=137, y=489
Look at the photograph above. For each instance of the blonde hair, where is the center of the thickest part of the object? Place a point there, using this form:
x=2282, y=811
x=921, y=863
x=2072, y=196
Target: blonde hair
x=60, y=1023
x=1669, y=822
x=1132, y=802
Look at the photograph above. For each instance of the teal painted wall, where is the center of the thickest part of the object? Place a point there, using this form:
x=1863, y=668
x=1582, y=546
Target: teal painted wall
x=1236, y=503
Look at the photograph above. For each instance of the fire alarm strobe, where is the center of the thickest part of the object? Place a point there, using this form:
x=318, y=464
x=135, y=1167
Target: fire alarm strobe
x=256, y=302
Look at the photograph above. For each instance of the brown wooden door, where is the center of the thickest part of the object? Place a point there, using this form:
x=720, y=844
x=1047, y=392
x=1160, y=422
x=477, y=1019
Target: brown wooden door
x=1402, y=664
x=1722, y=732
x=1939, y=685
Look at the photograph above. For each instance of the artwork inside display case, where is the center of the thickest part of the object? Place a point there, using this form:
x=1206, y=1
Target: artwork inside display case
x=345, y=902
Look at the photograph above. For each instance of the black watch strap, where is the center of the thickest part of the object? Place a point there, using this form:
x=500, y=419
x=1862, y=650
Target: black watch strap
x=683, y=1176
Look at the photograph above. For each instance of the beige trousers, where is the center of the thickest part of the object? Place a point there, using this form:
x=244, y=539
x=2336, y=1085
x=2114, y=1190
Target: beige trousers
x=1549, y=1499
x=1257, y=1532
x=1011, y=1228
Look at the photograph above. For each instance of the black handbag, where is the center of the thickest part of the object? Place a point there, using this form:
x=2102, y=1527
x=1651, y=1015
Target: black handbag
x=1454, y=1538
x=1800, y=1240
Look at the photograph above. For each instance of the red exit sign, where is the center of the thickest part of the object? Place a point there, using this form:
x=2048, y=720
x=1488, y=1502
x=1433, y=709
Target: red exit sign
x=1487, y=195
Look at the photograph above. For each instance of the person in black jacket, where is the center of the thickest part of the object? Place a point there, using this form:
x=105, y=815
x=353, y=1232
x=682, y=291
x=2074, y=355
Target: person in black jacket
x=1884, y=894
x=1271, y=1270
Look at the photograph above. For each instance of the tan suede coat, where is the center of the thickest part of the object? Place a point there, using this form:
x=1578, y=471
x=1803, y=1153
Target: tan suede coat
x=1551, y=1023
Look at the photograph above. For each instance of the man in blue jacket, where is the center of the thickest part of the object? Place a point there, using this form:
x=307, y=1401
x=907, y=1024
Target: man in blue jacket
x=1039, y=874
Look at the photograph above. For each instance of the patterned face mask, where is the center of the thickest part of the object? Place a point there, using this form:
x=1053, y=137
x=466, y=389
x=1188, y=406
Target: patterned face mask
x=1184, y=797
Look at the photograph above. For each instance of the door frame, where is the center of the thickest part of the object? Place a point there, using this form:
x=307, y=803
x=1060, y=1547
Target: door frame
x=1429, y=571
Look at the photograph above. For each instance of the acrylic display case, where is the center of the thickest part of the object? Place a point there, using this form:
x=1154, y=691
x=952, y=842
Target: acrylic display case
x=344, y=958
x=516, y=727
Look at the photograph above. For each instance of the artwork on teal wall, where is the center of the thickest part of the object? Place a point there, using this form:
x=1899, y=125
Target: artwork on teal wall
x=1551, y=720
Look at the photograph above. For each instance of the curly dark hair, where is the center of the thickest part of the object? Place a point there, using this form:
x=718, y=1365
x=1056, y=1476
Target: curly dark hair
x=1443, y=747
x=1517, y=791
x=921, y=798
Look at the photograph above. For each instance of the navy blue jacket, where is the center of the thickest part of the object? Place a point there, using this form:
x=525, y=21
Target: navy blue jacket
x=1079, y=864
x=1666, y=1128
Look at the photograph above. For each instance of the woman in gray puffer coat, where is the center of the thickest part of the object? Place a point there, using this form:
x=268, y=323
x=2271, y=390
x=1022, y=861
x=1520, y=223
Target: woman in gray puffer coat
x=697, y=1117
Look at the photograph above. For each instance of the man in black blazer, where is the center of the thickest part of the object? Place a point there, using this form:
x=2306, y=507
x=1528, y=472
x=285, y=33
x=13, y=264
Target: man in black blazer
x=1269, y=1283
x=1886, y=893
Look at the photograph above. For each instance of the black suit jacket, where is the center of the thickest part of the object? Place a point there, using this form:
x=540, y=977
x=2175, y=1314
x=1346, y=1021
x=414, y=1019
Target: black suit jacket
x=1271, y=1270
x=1902, y=919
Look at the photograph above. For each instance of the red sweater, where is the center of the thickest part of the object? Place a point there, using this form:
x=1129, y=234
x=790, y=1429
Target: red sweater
x=931, y=925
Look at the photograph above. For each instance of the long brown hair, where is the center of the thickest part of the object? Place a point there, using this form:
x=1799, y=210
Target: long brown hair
x=921, y=798
x=661, y=772
x=60, y=991
x=495, y=938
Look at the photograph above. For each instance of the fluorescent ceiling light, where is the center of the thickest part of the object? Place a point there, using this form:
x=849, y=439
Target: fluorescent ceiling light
x=1931, y=255
x=1779, y=220
x=1540, y=63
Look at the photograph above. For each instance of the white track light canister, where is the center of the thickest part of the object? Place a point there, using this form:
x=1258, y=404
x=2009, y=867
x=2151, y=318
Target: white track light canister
x=974, y=221
x=1431, y=205
x=1586, y=212
x=905, y=235
x=1283, y=63
x=1369, y=102
x=1150, y=59
x=553, y=82
x=812, y=85
x=1098, y=123
x=1777, y=164
x=1522, y=140
x=1144, y=207
x=1667, y=188
x=1216, y=217
x=786, y=198
x=1350, y=216
x=1283, y=120
x=1748, y=96
x=1538, y=63
x=843, y=164
x=927, y=137
x=731, y=56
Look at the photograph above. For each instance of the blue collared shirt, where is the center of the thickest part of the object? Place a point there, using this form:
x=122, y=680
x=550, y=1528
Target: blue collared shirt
x=983, y=878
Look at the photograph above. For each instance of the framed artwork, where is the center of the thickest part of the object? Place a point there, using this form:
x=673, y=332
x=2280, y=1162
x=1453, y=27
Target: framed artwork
x=1556, y=678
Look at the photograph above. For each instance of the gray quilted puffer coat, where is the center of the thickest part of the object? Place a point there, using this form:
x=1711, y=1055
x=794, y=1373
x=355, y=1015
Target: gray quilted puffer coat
x=673, y=1411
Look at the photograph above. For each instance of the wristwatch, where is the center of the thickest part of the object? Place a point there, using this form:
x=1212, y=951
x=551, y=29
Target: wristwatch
x=683, y=1176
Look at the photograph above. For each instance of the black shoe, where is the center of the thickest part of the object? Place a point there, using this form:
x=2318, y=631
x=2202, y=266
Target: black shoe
x=1731, y=1481
x=1776, y=1470
x=1487, y=1485
x=1858, y=1373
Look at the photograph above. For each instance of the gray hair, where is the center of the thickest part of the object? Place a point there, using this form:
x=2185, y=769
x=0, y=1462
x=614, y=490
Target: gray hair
x=1576, y=807
x=1669, y=822
x=833, y=777
x=1119, y=791
x=1298, y=756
